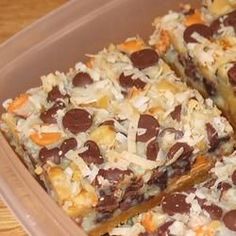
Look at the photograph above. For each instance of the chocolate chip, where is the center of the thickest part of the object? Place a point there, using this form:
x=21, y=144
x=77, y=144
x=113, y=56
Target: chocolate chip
x=150, y=126
x=176, y=113
x=114, y=175
x=201, y=29
x=178, y=133
x=190, y=69
x=226, y=20
x=223, y=186
x=210, y=86
x=50, y=154
x=92, y=154
x=107, y=203
x=163, y=230
x=77, y=120
x=214, y=211
x=152, y=150
x=132, y=195
x=158, y=178
x=184, y=154
x=233, y=177
x=212, y=136
x=67, y=145
x=230, y=20
x=144, y=58
x=229, y=220
x=175, y=203
x=139, y=84
x=82, y=79
x=126, y=81
x=232, y=75
x=55, y=94
x=49, y=116
x=210, y=183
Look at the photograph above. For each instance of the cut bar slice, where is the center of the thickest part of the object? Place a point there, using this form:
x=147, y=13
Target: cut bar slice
x=206, y=209
x=114, y=132
x=202, y=49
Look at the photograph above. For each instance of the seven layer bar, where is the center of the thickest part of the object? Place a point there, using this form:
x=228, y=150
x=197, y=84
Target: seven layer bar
x=113, y=132
x=206, y=209
x=201, y=45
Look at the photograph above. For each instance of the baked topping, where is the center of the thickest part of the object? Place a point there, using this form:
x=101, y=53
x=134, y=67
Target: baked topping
x=149, y=127
x=77, y=120
x=82, y=79
x=144, y=58
x=200, y=29
x=159, y=178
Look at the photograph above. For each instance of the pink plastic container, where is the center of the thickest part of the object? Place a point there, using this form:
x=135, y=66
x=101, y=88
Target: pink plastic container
x=57, y=42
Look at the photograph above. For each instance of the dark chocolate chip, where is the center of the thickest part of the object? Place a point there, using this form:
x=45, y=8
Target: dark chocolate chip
x=112, y=175
x=107, y=203
x=158, y=178
x=82, y=79
x=49, y=116
x=67, y=145
x=175, y=203
x=55, y=94
x=50, y=154
x=201, y=29
x=77, y=120
x=132, y=195
x=185, y=154
x=210, y=86
x=214, y=211
x=139, y=84
x=232, y=75
x=210, y=183
x=223, y=186
x=150, y=126
x=92, y=154
x=229, y=220
x=152, y=150
x=230, y=20
x=212, y=136
x=178, y=133
x=176, y=113
x=144, y=58
x=126, y=81
x=163, y=230
x=226, y=20
x=233, y=177
x=190, y=69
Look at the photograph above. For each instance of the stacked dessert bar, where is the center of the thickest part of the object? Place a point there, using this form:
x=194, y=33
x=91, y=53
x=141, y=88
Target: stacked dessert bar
x=122, y=129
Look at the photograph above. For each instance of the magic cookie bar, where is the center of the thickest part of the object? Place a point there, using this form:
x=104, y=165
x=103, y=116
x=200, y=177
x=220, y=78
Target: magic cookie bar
x=113, y=132
x=201, y=45
x=207, y=209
